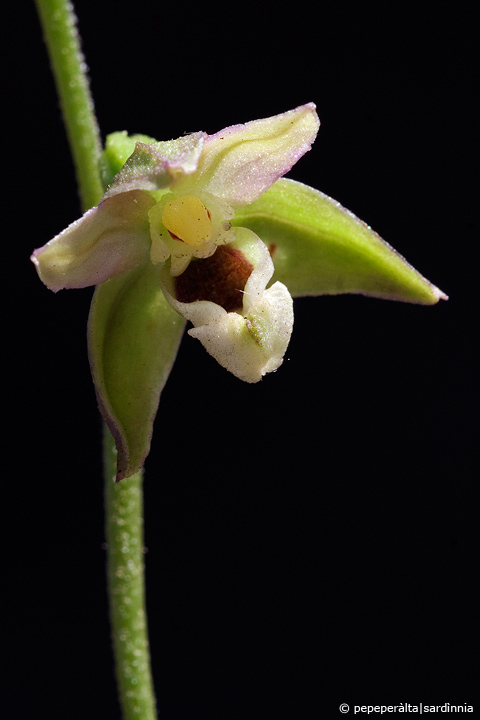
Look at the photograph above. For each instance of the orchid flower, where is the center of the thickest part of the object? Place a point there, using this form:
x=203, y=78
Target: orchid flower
x=194, y=229
x=175, y=199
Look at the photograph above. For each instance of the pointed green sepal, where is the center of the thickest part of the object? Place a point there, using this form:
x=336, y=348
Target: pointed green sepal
x=320, y=248
x=118, y=148
x=133, y=337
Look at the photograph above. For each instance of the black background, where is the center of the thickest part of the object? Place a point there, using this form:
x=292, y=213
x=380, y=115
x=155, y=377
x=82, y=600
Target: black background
x=310, y=538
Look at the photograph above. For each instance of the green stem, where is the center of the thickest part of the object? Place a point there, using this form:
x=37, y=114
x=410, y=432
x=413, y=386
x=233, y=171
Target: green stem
x=124, y=500
x=124, y=528
x=69, y=70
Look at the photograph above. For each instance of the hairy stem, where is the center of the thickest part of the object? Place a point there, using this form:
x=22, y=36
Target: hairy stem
x=124, y=529
x=69, y=70
x=123, y=501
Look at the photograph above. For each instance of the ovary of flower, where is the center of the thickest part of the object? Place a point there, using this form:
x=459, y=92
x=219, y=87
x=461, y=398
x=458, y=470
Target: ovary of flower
x=187, y=219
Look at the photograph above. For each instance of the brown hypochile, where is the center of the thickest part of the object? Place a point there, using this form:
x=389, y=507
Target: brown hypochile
x=220, y=278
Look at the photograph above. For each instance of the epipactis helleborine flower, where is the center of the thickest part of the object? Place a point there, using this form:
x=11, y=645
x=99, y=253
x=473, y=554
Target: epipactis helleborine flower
x=175, y=201
x=187, y=229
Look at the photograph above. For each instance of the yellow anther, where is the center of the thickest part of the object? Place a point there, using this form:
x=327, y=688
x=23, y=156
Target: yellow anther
x=186, y=218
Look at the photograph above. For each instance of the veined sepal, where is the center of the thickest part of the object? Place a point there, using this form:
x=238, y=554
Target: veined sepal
x=320, y=248
x=133, y=338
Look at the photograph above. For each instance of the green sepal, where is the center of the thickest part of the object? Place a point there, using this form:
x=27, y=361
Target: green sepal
x=118, y=148
x=320, y=248
x=133, y=339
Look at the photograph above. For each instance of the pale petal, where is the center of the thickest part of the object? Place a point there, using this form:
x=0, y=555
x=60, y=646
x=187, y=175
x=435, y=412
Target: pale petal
x=107, y=241
x=157, y=165
x=240, y=162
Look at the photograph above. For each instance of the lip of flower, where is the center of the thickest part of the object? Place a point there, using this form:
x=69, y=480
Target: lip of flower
x=243, y=325
x=142, y=214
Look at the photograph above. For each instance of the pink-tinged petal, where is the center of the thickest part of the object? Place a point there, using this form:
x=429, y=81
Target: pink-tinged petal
x=158, y=165
x=239, y=163
x=107, y=241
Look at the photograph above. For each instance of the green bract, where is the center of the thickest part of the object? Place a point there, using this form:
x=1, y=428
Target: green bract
x=194, y=229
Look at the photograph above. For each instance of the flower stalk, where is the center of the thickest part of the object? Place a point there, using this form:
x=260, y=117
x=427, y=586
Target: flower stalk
x=123, y=501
